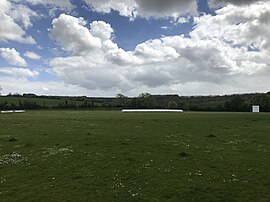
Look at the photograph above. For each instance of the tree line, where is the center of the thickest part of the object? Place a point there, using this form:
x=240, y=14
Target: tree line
x=237, y=102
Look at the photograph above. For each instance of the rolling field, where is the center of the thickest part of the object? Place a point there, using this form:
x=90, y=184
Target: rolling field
x=112, y=156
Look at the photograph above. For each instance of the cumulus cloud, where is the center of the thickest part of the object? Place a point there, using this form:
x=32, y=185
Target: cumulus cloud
x=155, y=51
x=12, y=57
x=101, y=29
x=213, y=56
x=222, y=52
x=71, y=33
x=32, y=55
x=146, y=9
x=9, y=29
x=19, y=72
x=16, y=17
x=216, y=3
x=239, y=25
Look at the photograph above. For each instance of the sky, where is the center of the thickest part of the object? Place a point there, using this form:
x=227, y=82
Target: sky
x=106, y=47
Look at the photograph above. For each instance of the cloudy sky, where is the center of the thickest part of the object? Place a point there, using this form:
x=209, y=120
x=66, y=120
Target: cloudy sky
x=105, y=47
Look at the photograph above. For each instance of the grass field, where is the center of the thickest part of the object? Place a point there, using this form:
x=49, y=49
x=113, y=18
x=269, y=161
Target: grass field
x=111, y=156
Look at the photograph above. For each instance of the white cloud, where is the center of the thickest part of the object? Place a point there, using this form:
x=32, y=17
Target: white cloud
x=124, y=7
x=214, y=59
x=71, y=34
x=23, y=14
x=169, y=8
x=146, y=9
x=255, y=84
x=165, y=27
x=59, y=4
x=10, y=84
x=171, y=63
x=32, y=55
x=9, y=29
x=19, y=72
x=181, y=20
x=101, y=29
x=44, y=88
x=12, y=57
x=239, y=25
x=16, y=16
x=219, y=3
x=155, y=51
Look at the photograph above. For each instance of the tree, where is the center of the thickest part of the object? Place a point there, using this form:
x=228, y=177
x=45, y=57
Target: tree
x=121, y=100
x=172, y=105
x=66, y=104
x=236, y=102
x=20, y=104
x=146, y=100
x=120, y=96
x=227, y=106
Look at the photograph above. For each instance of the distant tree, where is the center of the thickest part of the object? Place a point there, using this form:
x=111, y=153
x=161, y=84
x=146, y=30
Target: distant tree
x=146, y=100
x=12, y=106
x=20, y=104
x=28, y=104
x=17, y=95
x=44, y=104
x=85, y=104
x=172, y=105
x=120, y=96
x=144, y=95
x=121, y=100
x=263, y=100
x=227, y=106
x=66, y=103
x=236, y=103
x=29, y=95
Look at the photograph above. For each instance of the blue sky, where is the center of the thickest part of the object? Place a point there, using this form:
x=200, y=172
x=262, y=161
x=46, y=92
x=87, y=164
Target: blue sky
x=101, y=48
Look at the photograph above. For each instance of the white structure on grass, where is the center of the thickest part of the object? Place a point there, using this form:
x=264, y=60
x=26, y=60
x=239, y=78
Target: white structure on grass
x=12, y=111
x=255, y=108
x=152, y=110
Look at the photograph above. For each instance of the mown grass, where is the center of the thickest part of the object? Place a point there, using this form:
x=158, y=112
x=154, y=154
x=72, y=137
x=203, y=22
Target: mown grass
x=111, y=156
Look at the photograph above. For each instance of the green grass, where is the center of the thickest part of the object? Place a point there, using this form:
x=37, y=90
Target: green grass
x=111, y=156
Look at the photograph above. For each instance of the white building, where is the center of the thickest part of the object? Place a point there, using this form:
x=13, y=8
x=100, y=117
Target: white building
x=255, y=108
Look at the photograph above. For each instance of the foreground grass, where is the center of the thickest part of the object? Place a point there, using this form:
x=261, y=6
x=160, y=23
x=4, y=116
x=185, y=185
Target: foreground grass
x=110, y=156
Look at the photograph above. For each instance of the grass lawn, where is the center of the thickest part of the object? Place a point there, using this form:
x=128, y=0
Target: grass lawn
x=112, y=156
